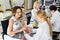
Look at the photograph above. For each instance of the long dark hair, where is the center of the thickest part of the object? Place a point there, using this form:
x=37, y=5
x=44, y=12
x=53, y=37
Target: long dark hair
x=15, y=9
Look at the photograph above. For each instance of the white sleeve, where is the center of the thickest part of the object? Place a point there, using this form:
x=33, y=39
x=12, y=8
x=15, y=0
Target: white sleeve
x=37, y=36
x=53, y=19
x=32, y=12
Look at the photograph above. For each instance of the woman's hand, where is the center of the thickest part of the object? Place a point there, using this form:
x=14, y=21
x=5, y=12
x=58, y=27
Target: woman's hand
x=27, y=30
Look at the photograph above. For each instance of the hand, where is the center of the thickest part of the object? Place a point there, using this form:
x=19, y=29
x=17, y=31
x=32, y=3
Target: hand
x=26, y=30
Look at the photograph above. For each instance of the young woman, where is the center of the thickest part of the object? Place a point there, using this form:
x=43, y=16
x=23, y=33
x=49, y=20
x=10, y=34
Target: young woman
x=16, y=24
x=36, y=7
x=44, y=31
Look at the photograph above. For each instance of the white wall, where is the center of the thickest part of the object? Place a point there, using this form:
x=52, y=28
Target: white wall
x=2, y=7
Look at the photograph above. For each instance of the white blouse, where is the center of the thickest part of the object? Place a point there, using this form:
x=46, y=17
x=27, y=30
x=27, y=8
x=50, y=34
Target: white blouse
x=33, y=12
x=55, y=20
x=42, y=33
x=16, y=26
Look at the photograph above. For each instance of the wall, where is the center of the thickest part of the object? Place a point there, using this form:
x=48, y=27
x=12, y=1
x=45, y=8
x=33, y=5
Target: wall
x=29, y=4
x=2, y=7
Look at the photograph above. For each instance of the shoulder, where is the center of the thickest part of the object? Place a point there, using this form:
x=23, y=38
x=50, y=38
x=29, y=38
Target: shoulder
x=32, y=10
x=12, y=17
x=11, y=20
x=56, y=14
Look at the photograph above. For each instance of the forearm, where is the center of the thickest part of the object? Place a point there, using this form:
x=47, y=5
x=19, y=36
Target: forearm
x=15, y=31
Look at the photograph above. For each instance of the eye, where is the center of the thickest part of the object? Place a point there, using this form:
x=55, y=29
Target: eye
x=17, y=12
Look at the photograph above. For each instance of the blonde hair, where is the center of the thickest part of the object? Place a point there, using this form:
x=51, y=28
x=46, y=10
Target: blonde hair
x=43, y=15
x=36, y=2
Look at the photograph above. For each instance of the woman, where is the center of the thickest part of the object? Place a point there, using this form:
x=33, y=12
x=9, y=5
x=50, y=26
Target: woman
x=16, y=24
x=44, y=31
x=36, y=7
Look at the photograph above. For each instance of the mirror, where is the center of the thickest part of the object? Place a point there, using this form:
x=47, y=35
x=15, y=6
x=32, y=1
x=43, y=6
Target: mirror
x=16, y=3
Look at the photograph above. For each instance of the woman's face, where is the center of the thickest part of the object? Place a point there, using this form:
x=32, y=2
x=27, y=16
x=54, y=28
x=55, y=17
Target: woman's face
x=37, y=5
x=18, y=13
x=39, y=17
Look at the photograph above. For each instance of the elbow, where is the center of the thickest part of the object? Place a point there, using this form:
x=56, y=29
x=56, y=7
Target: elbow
x=10, y=33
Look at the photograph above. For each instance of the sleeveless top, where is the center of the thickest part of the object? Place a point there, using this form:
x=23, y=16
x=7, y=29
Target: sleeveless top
x=16, y=26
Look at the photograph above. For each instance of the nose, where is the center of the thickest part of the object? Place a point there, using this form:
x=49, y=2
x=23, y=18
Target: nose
x=19, y=14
